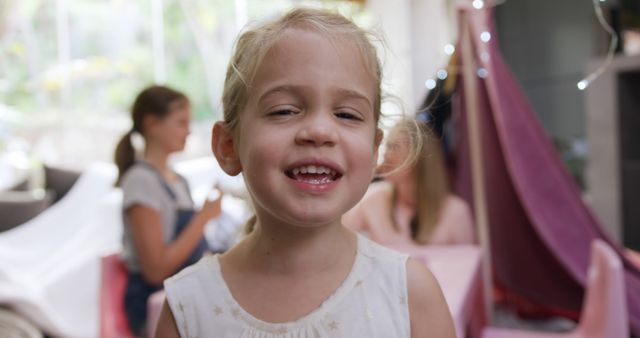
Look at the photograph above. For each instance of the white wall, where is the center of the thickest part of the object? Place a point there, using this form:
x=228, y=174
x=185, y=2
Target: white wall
x=433, y=26
x=416, y=32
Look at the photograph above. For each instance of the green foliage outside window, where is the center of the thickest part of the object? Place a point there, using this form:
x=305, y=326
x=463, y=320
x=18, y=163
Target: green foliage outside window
x=79, y=63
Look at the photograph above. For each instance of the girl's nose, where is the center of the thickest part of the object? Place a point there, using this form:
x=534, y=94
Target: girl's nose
x=317, y=131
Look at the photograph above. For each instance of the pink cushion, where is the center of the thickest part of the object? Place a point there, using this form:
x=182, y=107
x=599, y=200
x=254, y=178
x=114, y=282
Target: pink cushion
x=113, y=321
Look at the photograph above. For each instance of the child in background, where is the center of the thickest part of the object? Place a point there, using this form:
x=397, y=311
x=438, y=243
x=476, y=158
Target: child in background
x=413, y=205
x=162, y=231
x=301, y=107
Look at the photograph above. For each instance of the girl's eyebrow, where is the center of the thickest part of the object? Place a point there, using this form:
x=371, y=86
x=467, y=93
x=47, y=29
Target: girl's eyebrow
x=342, y=92
x=278, y=89
x=353, y=94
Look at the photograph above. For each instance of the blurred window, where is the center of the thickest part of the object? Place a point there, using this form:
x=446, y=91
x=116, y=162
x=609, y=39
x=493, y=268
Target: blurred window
x=69, y=69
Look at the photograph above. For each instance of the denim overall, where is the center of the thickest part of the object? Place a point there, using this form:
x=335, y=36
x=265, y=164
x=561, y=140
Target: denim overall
x=138, y=290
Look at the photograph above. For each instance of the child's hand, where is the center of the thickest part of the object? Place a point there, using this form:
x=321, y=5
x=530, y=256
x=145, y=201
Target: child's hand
x=212, y=206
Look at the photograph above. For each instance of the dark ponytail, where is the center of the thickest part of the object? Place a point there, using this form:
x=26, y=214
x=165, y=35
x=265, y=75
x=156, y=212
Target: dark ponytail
x=125, y=155
x=155, y=100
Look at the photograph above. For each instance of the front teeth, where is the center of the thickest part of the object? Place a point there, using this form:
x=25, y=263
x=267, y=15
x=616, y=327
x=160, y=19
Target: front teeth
x=312, y=169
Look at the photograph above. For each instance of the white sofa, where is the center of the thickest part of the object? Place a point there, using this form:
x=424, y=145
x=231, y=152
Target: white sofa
x=50, y=266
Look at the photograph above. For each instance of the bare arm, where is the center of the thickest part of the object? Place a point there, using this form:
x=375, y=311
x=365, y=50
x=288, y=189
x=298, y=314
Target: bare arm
x=428, y=310
x=167, y=327
x=157, y=259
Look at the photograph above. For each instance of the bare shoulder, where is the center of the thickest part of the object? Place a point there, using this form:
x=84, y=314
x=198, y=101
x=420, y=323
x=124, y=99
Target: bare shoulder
x=458, y=205
x=379, y=189
x=378, y=196
x=459, y=219
x=428, y=310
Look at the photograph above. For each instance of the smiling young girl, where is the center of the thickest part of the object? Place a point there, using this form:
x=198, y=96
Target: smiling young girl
x=301, y=108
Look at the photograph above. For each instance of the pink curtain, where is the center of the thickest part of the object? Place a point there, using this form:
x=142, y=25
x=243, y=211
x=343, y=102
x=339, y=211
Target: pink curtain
x=540, y=228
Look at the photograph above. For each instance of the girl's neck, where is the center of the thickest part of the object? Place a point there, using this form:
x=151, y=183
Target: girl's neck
x=299, y=251
x=157, y=159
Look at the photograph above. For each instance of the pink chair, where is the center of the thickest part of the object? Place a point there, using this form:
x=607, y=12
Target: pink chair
x=113, y=320
x=604, y=311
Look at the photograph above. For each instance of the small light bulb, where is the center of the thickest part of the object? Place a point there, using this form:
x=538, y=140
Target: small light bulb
x=485, y=36
x=442, y=74
x=483, y=72
x=478, y=4
x=582, y=85
x=449, y=49
x=430, y=84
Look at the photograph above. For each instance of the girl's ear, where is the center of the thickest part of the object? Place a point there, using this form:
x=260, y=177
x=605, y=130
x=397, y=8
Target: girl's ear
x=223, y=146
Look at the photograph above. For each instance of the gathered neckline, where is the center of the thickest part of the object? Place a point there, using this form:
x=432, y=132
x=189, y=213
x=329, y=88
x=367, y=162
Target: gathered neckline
x=315, y=316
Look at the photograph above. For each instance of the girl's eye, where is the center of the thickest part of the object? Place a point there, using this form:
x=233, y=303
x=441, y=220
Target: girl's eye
x=282, y=112
x=348, y=116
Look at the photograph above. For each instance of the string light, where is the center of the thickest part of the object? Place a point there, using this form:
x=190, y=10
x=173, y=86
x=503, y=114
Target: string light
x=442, y=74
x=584, y=83
x=478, y=4
x=485, y=36
x=449, y=49
x=430, y=83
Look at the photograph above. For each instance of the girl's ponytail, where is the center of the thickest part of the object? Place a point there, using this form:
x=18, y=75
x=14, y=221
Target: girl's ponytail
x=125, y=155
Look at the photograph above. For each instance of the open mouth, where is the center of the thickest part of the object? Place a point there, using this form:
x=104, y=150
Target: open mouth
x=313, y=174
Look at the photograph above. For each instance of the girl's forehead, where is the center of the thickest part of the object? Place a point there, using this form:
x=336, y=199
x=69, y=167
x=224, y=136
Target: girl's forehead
x=291, y=36
x=306, y=50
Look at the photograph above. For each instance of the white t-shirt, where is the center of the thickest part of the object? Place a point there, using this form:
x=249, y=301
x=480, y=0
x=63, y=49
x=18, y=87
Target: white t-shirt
x=371, y=302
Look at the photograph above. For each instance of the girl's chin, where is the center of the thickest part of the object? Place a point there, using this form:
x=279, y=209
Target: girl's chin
x=315, y=221
x=311, y=221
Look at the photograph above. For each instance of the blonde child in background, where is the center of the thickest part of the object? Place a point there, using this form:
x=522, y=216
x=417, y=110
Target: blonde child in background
x=301, y=107
x=413, y=204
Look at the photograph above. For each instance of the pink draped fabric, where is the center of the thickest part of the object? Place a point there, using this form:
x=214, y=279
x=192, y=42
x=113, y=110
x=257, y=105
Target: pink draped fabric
x=540, y=229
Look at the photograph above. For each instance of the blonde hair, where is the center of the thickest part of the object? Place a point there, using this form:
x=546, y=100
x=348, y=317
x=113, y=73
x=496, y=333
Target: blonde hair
x=429, y=174
x=254, y=43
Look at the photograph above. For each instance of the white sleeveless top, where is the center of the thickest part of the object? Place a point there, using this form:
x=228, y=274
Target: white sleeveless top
x=371, y=302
